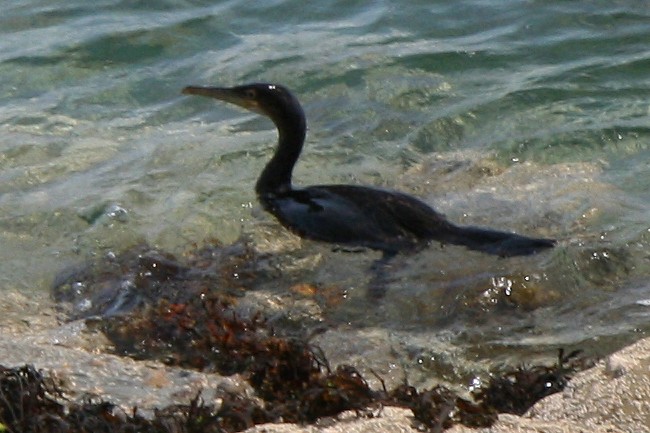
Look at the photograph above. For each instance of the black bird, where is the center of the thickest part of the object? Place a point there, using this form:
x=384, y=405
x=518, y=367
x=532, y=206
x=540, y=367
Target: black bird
x=350, y=215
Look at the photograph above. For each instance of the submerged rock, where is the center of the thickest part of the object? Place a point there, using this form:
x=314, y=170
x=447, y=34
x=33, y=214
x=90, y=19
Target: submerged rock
x=121, y=283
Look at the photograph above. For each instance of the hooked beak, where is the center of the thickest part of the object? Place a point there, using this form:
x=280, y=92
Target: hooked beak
x=224, y=94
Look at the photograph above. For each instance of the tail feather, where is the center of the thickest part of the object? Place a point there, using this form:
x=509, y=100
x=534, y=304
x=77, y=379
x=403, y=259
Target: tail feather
x=498, y=243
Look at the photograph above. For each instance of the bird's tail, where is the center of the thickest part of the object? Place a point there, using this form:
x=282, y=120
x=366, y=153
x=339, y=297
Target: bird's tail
x=495, y=242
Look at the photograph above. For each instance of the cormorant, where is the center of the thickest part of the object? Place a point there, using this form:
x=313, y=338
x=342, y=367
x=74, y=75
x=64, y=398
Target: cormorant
x=350, y=215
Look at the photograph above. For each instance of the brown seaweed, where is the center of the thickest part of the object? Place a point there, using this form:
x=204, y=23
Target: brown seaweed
x=152, y=305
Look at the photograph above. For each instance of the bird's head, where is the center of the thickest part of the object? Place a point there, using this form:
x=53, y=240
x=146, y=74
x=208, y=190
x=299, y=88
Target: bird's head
x=272, y=100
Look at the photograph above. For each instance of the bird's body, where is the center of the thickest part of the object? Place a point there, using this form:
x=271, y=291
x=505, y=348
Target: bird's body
x=350, y=215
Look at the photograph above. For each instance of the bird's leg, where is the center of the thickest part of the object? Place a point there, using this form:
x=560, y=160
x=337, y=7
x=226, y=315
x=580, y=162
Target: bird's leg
x=380, y=269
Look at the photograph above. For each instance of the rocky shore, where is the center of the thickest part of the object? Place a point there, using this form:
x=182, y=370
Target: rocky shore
x=614, y=396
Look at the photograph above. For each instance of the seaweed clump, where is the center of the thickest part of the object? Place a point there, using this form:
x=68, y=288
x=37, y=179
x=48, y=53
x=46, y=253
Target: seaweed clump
x=32, y=403
x=516, y=391
x=28, y=401
x=290, y=375
x=151, y=305
x=295, y=381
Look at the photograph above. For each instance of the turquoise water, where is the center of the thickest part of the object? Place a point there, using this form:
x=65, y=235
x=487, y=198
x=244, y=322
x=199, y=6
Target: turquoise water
x=523, y=115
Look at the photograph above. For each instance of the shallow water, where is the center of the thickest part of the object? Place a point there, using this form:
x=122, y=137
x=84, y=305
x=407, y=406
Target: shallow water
x=517, y=115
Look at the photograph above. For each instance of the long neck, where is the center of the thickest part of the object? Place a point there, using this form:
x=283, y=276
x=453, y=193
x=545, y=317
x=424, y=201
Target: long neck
x=276, y=176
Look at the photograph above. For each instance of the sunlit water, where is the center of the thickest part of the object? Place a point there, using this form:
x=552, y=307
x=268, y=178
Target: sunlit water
x=522, y=115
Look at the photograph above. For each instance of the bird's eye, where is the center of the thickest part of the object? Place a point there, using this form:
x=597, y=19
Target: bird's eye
x=251, y=93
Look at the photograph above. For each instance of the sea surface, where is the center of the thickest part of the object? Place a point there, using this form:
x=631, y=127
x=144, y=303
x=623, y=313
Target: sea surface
x=522, y=115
